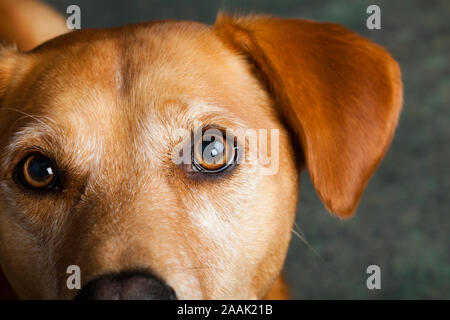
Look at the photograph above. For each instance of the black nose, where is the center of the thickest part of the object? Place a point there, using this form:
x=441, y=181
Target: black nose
x=129, y=285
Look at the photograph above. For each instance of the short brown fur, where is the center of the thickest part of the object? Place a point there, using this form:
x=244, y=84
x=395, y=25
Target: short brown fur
x=105, y=104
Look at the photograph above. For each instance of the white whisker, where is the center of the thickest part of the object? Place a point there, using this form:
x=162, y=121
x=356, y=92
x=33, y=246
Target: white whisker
x=300, y=235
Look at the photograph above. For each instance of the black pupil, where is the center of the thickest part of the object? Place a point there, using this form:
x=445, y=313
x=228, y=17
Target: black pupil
x=39, y=168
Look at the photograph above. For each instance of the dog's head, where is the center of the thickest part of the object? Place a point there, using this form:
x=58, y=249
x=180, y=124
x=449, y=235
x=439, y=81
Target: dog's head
x=92, y=125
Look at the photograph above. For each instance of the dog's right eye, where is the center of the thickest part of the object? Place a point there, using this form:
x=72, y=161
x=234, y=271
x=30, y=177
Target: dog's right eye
x=212, y=153
x=37, y=172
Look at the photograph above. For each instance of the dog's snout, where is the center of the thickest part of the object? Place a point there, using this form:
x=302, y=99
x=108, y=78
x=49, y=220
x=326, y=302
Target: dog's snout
x=126, y=286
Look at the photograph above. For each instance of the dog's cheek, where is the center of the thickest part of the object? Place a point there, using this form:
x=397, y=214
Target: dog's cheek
x=24, y=262
x=272, y=217
x=28, y=244
x=247, y=231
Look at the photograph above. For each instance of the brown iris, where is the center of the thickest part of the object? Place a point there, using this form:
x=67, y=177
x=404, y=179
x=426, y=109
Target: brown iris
x=38, y=172
x=212, y=152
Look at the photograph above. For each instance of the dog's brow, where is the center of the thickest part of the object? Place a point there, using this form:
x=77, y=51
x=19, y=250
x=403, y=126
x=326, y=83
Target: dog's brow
x=34, y=137
x=48, y=138
x=73, y=143
x=188, y=115
x=213, y=113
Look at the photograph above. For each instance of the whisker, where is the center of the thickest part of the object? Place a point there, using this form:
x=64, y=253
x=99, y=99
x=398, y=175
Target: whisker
x=300, y=235
x=28, y=115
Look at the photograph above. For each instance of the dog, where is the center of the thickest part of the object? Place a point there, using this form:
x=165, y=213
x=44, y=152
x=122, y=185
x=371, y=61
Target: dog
x=89, y=120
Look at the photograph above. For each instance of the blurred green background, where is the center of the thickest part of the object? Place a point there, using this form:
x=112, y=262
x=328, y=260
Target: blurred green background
x=403, y=221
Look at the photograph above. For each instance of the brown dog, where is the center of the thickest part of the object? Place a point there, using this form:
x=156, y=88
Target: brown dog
x=90, y=119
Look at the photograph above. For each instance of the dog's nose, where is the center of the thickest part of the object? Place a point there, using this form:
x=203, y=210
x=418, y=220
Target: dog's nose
x=126, y=286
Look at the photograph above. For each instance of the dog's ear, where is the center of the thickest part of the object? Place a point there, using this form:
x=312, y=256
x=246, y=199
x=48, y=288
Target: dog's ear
x=7, y=63
x=28, y=23
x=339, y=92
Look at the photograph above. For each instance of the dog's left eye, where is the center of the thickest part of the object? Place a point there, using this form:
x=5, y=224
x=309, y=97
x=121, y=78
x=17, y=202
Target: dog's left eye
x=37, y=172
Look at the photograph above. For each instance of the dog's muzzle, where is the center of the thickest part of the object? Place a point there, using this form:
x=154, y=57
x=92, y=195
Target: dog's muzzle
x=128, y=285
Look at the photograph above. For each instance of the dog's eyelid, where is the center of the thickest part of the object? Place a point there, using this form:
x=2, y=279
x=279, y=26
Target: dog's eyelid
x=27, y=151
x=13, y=156
x=211, y=126
x=40, y=149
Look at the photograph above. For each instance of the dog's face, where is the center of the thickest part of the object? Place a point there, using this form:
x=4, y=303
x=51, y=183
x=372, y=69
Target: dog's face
x=91, y=123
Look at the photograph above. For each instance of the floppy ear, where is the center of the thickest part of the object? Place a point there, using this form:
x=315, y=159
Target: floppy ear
x=339, y=92
x=28, y=23
x=7, y=61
